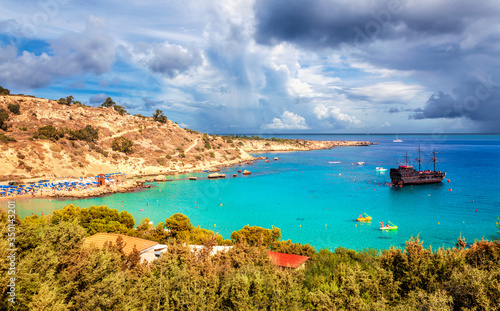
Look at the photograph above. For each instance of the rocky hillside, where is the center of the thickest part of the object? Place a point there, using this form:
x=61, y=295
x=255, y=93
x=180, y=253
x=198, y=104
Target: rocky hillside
x=69, y=149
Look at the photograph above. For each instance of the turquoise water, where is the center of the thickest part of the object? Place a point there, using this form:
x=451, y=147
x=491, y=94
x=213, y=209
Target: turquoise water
x=316, y=202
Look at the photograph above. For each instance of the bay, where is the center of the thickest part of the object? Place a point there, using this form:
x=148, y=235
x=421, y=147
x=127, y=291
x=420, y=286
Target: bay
x=316, y=202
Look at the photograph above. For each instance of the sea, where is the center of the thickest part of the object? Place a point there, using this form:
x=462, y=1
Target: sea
x=317, y=202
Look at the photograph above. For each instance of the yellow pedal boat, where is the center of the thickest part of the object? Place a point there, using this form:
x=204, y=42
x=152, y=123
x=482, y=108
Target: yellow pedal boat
x=364, y=218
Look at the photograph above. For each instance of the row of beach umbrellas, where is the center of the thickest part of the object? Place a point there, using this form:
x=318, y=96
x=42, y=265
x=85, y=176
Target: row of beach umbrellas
x=80, y=183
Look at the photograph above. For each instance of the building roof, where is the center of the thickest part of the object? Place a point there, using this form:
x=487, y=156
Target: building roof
x=99, y=239
x=287, y=260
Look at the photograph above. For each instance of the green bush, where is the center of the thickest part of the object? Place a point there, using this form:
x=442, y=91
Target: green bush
x=122, y=144
x=88, y=134
x=96, y=219
x=6, y=139
x=110, y=103
x=4, y=116
x=48, y=132
x=66, y=101
x=4, y=91
x=158, y=116
x=14, y=108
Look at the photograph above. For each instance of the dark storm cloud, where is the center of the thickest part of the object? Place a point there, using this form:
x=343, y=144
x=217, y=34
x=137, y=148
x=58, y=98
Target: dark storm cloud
x=475, y=99
x=327, y=23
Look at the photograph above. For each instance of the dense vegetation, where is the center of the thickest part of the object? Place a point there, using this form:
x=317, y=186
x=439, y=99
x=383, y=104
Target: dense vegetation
x=56, y=273
x=88, y=133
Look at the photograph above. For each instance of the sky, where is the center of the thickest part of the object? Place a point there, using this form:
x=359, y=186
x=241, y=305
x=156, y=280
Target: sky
x=260, y=66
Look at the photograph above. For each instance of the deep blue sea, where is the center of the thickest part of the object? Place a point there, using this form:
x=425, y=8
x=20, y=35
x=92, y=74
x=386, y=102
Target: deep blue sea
x=316, y=202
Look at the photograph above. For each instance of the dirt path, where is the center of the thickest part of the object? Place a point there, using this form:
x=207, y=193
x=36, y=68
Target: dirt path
x=191, y=147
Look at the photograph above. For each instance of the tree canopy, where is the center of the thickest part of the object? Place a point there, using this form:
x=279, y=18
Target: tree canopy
x=110, y=103
x=158, y=116
x=256, y=236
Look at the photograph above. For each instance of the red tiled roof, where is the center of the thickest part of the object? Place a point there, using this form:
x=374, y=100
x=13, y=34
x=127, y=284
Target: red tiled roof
x=287, y=260
x=99, y=239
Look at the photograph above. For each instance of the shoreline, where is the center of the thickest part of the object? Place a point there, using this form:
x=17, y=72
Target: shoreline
x=137, y=182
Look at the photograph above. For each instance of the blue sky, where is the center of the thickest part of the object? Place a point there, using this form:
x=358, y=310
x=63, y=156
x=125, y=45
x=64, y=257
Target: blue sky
x=231, y=66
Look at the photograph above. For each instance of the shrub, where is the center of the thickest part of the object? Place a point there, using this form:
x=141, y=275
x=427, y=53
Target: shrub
x=6, y=139
x=168, y=156
x=122, y=144
x=4, y=91
x=212, y=154
x=110, y=103
x=14, y=108
x=121, y=110
x=65, y=101
x=158, y=116
x=4, y=116
x=48, y=132
x=88, y=134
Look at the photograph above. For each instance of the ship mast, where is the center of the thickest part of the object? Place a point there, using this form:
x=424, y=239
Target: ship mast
x=434, y=159
x=419, y=158
x=406, y=161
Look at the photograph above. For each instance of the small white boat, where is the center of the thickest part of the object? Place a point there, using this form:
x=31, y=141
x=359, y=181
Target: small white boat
x=360, y=163
x=334, y=162
x=380, y=169
x=397, y=140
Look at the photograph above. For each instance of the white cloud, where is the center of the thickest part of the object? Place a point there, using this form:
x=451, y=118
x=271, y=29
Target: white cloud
x=388, y=91
x=381, y=72
x=288, y=121
x=333, y=115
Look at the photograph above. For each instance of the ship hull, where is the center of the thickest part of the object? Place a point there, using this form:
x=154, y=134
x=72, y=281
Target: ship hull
x=410, y=176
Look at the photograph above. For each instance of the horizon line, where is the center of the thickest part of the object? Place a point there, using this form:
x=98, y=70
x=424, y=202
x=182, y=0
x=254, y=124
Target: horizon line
x=365, y=134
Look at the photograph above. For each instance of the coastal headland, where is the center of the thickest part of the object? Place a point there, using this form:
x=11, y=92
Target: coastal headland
x=45, y=139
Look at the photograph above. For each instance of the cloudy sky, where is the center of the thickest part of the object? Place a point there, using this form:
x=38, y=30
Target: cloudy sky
x=257, y=66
